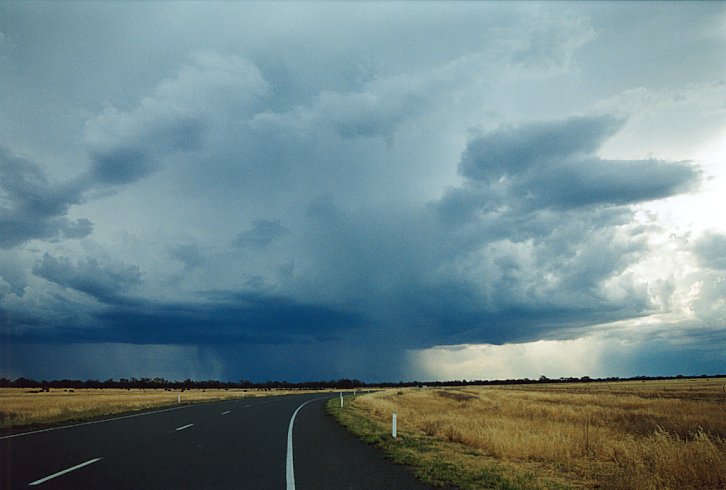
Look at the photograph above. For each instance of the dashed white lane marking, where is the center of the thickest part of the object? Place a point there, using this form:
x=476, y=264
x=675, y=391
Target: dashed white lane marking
x=184, y=427
x=225, y=413
x=55, y=475
x=289, y=466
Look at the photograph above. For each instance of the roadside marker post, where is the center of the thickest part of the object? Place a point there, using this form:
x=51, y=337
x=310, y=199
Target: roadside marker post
x=393, y=429
x=178, y=398
x=341, y=399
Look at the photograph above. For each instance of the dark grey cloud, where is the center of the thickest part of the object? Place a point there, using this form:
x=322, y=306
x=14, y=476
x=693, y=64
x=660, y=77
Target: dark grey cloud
x=213, y=319
x=33, y=207
x=103, y=281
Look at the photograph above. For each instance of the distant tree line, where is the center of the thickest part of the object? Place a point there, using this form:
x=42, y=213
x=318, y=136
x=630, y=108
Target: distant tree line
x=541, y=380
x=346, y=384
x=187, y=384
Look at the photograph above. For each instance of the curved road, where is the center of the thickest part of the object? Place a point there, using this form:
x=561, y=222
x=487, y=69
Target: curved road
x=232, y=444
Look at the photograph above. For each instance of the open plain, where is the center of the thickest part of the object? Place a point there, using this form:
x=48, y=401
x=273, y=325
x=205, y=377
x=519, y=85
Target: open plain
x=619, y=435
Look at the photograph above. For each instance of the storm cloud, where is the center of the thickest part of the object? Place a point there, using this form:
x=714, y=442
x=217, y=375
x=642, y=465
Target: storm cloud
x=339, y=201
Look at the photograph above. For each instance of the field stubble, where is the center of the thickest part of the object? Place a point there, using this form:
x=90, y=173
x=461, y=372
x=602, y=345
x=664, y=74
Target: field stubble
x=660, y=434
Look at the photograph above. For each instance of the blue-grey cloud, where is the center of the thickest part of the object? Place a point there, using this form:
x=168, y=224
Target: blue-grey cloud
x=104, y=282
x=604, y=182
x=188, y=254
x=126, y=146
x=121, y=165
x=710, y=250
x=512, y=151
x=33, y=207
x=134, y=156
x=553, y=164
x=262, y=233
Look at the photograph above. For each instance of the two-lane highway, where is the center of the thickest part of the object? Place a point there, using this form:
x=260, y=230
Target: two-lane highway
x=236, y=444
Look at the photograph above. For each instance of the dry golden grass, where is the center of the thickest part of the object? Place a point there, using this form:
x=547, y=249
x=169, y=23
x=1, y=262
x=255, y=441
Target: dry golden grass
x=28, y=407
x=640, y=435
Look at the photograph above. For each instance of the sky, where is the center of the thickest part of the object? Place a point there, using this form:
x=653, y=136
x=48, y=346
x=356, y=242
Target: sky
x=381, y=191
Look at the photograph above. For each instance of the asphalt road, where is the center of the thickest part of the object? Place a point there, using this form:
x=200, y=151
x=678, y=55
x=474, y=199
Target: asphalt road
x=232, y=444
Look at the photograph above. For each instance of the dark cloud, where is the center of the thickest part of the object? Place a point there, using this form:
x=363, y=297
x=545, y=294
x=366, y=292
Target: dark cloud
x=262, y=233
x=607, y=182
x=539, y=236
x=215, y=319
x=499, y=289
x=33, y=207
x=121, y=165
x=553, y=164
x=104, y=282
x=513, y=151
x=134, y=156
x=497, y=278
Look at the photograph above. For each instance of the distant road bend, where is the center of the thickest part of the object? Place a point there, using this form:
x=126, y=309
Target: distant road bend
x=283, y=442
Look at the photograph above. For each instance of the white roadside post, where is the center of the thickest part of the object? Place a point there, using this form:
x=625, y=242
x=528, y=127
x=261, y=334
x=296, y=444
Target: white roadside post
x=178, y=398
x=341, y=399
x=393, y=429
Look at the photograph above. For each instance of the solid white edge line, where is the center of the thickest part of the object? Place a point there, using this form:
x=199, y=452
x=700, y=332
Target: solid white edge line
x=55, y=475
x=93, y=422
x=184, y=427
x=289, y=466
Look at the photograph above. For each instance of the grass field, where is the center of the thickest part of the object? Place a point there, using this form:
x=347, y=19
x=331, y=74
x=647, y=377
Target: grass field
x=623, y=435
x=30, y=407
